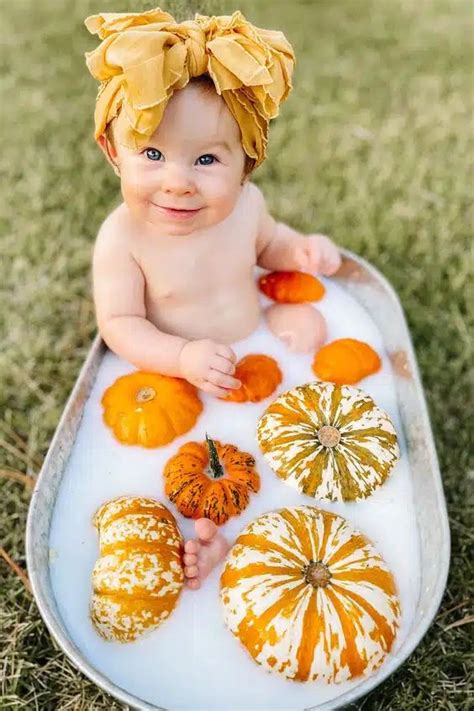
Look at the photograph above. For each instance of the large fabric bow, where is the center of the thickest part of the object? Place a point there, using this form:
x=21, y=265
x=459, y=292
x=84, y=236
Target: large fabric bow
x=145, y=57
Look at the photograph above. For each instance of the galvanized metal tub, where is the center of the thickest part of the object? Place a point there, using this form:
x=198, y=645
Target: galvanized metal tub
x=372, y=291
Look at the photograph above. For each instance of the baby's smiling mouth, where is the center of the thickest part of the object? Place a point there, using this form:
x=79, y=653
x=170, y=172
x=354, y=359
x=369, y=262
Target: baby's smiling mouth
x=177, y=212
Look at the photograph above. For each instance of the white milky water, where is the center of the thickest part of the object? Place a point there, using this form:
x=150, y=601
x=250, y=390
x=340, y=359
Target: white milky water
x=192, y=661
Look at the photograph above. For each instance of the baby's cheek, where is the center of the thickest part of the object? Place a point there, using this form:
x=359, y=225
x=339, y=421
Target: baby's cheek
x=134, y=193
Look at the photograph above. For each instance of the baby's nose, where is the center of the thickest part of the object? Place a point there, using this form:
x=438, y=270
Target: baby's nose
x=176, y=180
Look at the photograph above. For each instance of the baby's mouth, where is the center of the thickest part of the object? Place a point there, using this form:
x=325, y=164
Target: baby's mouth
x=177, y=213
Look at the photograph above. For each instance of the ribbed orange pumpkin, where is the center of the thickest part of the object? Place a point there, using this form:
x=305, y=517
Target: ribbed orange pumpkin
x=139, y=574
x=346, y=361
x=150, y=409
x=210, y=480
x=309, y=597
x=259, y=375
x=291, y=287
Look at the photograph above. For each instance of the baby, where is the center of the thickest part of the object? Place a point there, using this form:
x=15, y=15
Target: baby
x=182, y=116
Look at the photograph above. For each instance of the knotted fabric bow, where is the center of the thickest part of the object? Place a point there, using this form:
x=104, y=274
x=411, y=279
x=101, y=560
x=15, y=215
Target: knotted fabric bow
x=145, y=57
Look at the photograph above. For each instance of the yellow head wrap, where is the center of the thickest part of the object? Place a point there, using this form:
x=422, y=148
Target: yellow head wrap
x=144, y=57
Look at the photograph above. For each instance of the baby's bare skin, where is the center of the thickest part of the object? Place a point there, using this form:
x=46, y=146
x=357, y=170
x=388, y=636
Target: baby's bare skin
x=174, y=282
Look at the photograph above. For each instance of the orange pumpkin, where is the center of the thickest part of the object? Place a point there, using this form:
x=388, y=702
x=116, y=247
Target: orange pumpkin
x=291, y=287
x=259, y=375
x=150, y=409
x=346, y=361
x=309, y=597
x=210, y=480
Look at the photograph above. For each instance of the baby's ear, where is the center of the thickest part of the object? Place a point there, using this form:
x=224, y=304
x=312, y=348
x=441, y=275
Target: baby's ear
x=109, y=151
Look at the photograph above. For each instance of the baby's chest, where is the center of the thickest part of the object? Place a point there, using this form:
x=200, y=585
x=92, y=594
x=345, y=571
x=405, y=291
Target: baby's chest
x=188, y=269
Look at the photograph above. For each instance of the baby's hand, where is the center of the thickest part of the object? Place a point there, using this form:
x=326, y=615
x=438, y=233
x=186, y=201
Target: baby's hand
x=209, y=366
x=317, y=253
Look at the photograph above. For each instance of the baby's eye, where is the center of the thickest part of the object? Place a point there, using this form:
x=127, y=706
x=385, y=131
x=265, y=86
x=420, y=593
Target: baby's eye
x=206, y=159
x=153, y=154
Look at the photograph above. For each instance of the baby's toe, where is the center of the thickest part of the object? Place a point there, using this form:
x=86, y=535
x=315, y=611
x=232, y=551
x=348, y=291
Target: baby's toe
x=190, y=559
x=192, y=547
x=193, y=583
x=191, y=571
x=205, y=530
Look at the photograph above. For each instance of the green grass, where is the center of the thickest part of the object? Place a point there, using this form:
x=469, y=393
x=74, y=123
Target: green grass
x=374, y=147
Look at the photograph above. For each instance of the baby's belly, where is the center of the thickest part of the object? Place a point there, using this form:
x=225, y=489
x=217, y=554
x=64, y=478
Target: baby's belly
x=222, y=317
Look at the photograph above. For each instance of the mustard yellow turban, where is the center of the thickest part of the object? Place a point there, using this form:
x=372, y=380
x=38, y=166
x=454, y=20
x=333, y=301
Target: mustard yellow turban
x=144, y=57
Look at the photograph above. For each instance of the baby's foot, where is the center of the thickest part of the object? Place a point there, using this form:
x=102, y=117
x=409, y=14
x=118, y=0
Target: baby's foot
x=300, y=326
x=203, y=553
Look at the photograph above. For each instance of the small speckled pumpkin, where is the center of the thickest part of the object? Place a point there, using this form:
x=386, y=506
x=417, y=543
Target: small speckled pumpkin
x=309, y=597
x=150, y=409
x=210, y=480
x=328, y=441
x=139, y=575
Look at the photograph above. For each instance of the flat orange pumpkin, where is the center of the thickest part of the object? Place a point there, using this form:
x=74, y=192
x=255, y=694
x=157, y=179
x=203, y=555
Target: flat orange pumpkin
x=291, y=287
x=346, y=361
x=150, y=409
x=210, y=480
x=259, y=375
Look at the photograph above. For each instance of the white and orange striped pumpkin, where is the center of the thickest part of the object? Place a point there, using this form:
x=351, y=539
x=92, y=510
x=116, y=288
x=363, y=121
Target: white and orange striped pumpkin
x=309, y=597
x=328, y=441
x=139, y=575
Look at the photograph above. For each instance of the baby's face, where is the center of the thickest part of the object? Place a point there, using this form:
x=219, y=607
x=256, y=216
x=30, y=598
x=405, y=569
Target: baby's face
x=189, y=175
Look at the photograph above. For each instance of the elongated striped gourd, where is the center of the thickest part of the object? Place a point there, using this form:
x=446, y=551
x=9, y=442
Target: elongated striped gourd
x=309, y=597
x=139, y=575
x=328, y=441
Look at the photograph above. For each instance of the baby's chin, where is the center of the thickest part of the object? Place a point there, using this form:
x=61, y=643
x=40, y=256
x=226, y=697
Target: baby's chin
x=200, y=222
x=172, y=228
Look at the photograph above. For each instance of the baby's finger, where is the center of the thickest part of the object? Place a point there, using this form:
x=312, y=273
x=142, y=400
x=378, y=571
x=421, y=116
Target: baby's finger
x=300, y=256
x=226, y=352
x=331, y=265
x=223, y=365
x=224, y=381
x=214, y=389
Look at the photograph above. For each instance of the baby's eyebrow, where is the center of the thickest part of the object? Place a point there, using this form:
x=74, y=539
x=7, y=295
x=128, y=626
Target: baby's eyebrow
x=220, y=144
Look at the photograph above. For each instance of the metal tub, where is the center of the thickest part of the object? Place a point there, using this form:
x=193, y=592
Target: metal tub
x=367, y=286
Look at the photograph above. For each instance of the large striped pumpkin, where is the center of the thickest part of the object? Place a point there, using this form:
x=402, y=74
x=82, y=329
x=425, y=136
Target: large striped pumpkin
x=309, y=597
x=139, y=575
x=328, y=441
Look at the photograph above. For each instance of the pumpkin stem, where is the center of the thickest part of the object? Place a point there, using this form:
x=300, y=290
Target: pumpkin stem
x=317, y=574
x=329, y=436
x=217, y=470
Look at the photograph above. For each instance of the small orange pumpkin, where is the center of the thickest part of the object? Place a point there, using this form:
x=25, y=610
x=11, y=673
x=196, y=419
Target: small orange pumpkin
x=291, y=287
x=259, y=375
x=346, y=361
x=150, y=409
x=210, y=480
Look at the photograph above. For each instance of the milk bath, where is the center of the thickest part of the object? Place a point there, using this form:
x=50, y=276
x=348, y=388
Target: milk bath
x=192, y=661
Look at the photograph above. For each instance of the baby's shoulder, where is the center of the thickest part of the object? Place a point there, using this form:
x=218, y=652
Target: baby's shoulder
x=115, y=231
x=253, y=197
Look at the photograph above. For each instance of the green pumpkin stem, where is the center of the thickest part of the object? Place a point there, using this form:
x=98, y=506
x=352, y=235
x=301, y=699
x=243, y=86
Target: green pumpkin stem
x=217, y=470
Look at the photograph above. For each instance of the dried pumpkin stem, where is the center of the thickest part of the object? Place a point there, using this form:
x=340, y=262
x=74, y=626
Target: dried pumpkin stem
x=145, y=394
x=317, y=574
x=329, y=436
x=217, y=470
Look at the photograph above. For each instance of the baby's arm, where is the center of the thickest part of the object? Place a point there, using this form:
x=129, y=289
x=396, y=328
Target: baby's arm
x=281, y=248
x=119, y=288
